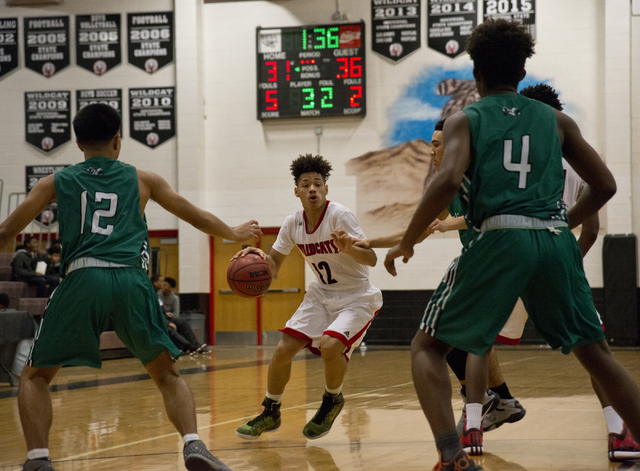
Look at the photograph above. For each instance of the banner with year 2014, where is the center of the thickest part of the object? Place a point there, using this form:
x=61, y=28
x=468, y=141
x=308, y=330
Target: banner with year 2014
x=396, y=27
x=8, y=45
x=152, y=119
x=150, y=40
x=47, y=119
x=46, y=44
x=98, y=47
x=449, y=25
x=522, y=11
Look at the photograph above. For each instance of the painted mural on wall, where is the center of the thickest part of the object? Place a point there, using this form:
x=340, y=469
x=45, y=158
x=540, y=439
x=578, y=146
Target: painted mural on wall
x=391, y=181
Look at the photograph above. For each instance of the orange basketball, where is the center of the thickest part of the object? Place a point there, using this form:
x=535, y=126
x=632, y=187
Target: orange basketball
x=249, y=276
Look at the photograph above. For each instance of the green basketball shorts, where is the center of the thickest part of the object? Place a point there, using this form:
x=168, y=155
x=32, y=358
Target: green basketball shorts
x=86, y=302
x=543, y=266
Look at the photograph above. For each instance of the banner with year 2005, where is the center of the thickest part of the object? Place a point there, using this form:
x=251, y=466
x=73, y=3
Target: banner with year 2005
x=98, y=47
x=152, y=119
x=449, y=25
x=46, y=44
x=522, y=11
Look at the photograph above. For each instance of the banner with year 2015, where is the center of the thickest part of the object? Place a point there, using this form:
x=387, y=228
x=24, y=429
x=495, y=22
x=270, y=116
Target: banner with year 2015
x=46, y=44
x=152, y=119
x=8, y=45
x=150, y=40
x=521, y=11
x=47, y=119
x=98, y=46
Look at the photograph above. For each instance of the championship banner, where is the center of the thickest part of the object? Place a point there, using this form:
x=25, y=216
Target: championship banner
x=35, y=173
x=396, y=27
x=521, y=11
x=46, y=44
x=152, y=119
x=8, y=45
x=449, y=24
x=98, y=47
x=150, y=42
x=47, y=119
x=108, y=96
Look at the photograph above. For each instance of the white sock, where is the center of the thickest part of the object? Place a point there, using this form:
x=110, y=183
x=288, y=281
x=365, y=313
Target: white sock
x=333, y=391
x=38, y=453
x=275, y=397
x=189, y=437
x=474, y=416
x=614, y=421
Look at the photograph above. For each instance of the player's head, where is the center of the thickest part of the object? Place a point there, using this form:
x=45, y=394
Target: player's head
x=437, y=149
x=97, y=126
x=544, y=93
x=4, y=300
x=310, y=172
x=499, y=50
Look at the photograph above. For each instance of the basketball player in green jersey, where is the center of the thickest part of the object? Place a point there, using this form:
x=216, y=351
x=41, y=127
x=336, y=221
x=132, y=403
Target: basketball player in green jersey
x=101, y=204
x=504, y=154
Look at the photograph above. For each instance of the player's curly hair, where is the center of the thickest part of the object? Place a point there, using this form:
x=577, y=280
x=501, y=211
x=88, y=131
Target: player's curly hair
x=310, y=163
x=499, y=49
x=544, y=93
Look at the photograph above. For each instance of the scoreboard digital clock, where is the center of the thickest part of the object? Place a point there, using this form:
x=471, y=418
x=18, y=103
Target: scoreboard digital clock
x=311, y=71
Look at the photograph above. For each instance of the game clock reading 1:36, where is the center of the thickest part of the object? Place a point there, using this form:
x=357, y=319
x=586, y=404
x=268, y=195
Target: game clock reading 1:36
x=311, y=71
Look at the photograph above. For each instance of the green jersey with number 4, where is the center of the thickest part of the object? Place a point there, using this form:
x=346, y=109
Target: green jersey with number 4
x=99, y=213
x=516, y=160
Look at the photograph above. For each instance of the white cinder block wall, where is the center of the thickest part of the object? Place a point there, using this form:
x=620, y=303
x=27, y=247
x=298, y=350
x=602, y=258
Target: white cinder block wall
x=236, y=167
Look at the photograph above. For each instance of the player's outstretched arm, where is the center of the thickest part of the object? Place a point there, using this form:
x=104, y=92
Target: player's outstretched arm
x=155, y=187
x=43, y=193
x=589, y=166
x=345, y=244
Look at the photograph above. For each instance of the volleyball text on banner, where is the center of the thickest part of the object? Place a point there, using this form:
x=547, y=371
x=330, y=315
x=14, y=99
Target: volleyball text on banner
x=98, y=44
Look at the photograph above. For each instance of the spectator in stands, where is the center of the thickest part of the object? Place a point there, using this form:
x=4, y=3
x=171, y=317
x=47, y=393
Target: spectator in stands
x=171, y=306
x=4, y=301
x=53, y=267
x=157, y=281
x=24, y=266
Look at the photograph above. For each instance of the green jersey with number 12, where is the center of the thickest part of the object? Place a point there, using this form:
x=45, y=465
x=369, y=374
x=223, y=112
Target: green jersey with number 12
x=516, y=160
x=99, y=213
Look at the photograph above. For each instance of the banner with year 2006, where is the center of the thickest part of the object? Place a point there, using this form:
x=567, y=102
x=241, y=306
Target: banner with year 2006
x=47, y=119
x=522, y=11
x=449, y=25
x=152, y=119
x=150, y=40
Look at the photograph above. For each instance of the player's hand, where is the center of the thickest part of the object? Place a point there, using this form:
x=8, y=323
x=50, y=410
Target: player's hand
x=343, y=241
x=438, y=226
x=168, y=314
x=173, y=326
x=393, y=253
x=362, y=243
x=246, y=231
x=248, y=250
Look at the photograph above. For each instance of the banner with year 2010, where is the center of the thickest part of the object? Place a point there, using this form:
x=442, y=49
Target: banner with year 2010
x=449, y=25
x=521, y=11
x=152, y=119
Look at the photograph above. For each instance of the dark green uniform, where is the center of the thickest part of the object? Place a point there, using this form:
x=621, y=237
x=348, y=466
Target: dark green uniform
x=105, y=244
x=513, y=189
x=456, y=209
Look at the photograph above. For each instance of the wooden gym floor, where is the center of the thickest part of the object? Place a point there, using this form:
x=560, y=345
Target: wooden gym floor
x=113, y=418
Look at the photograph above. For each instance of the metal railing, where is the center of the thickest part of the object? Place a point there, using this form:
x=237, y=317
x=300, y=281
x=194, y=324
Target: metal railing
x=35, y=228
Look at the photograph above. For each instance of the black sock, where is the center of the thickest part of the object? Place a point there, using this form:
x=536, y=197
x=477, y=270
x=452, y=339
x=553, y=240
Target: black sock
x=449, y=444
x=502, y=391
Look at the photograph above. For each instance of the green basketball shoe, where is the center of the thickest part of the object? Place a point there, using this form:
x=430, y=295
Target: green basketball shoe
x=321, y=423
x=268, y=421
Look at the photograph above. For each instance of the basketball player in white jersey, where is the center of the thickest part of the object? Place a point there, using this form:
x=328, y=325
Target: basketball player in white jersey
x=338, y=306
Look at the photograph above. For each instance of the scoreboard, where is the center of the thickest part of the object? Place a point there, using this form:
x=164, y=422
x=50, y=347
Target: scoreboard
x=311, y=71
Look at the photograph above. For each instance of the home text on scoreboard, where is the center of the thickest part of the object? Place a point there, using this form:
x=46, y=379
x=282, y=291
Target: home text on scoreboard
x=311, y=71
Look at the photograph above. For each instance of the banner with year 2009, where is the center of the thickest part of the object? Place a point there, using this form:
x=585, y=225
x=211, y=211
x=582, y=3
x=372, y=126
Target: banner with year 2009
x=522, y=11
x=152, y=119
x=47, y=119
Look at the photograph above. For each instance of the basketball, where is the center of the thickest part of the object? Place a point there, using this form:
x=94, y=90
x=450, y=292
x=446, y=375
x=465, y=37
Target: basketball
x=249, y=276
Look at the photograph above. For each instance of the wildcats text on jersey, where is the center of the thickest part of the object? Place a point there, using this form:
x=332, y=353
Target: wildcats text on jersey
x=326, y=246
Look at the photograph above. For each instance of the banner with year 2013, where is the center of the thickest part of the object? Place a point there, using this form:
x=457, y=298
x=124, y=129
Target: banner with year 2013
x=8, y=45
x=150, y=40
x=152, y=119
x=47, y=119
x=396, y=27
x=46, y=44
x=522, y=11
